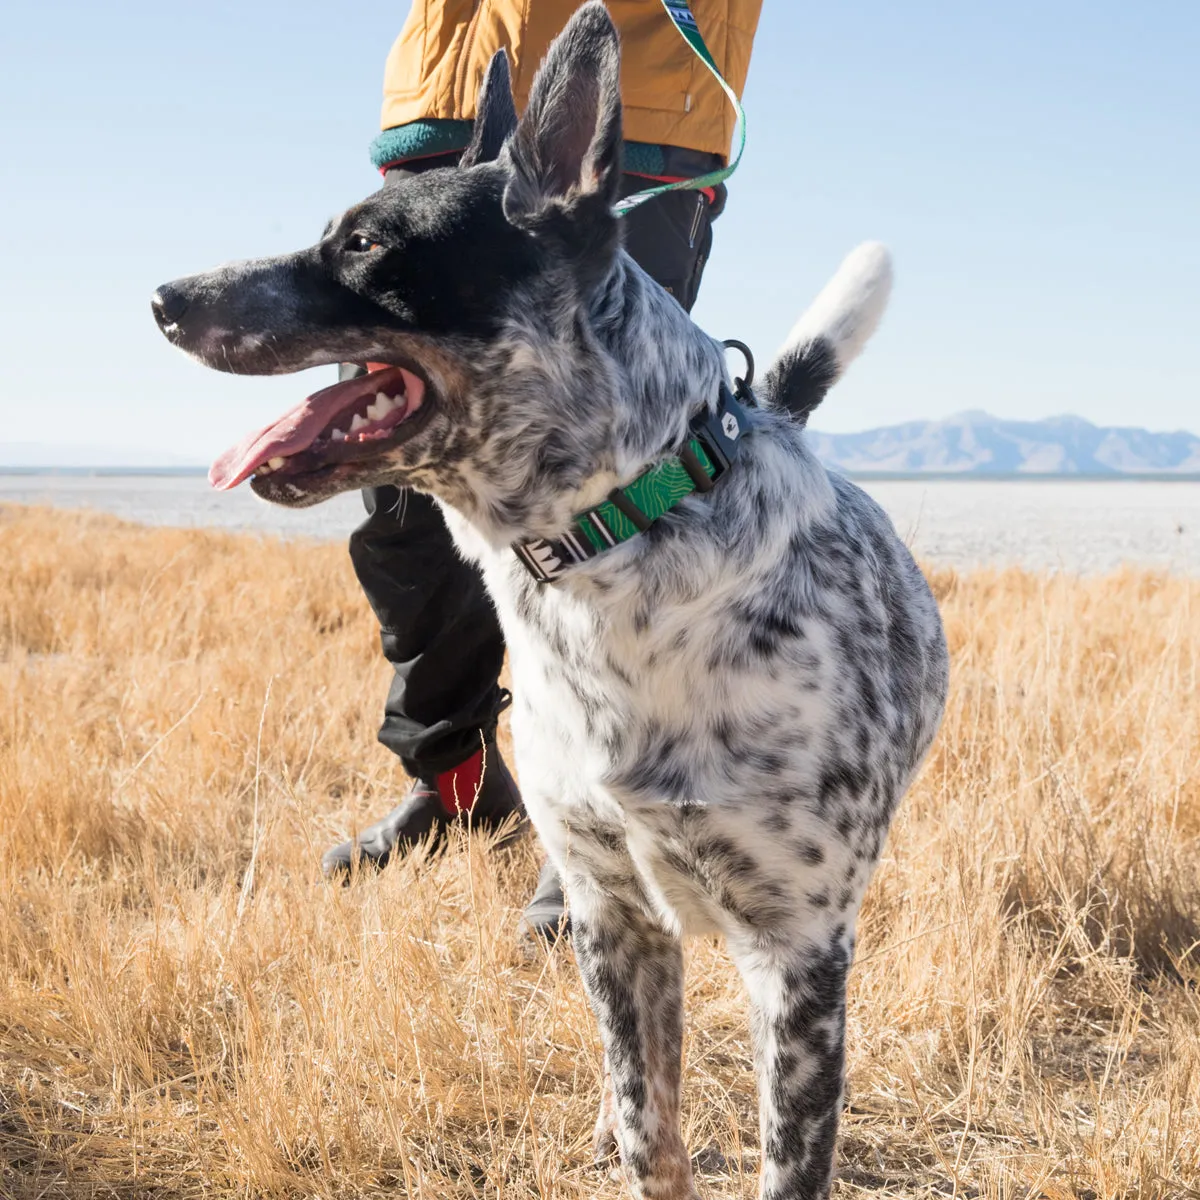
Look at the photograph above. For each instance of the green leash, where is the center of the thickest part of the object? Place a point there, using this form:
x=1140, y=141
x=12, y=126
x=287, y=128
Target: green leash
x=683, y=20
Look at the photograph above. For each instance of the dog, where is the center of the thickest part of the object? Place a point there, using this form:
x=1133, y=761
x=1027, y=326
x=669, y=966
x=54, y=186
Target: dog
x=715, y=717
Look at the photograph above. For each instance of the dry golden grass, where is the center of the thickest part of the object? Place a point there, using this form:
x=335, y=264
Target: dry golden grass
x=187, y=719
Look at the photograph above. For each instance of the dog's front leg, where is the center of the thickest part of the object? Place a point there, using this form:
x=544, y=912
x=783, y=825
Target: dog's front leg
x=604, y=1139
x=798, y=1012
x=633, y=974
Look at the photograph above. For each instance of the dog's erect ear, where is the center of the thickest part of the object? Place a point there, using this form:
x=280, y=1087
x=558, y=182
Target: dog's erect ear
x=567, y=148
x=496, y=114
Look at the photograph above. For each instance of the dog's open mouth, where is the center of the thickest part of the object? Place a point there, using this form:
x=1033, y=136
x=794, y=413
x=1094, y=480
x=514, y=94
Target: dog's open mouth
x=339, y=424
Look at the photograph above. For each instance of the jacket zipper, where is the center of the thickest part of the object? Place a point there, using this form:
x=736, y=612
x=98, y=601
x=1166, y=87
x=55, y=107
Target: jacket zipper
x=468, y=45
x=701, y=201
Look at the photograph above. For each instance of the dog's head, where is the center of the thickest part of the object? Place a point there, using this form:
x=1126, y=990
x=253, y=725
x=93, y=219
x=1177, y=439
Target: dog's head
x=473, y=285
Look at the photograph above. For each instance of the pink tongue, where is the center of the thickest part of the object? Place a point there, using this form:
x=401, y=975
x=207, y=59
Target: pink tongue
x=298, y=429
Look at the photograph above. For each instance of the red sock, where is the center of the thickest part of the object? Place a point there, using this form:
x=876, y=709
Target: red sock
x=459, y=786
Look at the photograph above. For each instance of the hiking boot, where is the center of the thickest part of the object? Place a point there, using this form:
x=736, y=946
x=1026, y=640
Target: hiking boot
x=545, y=916
x=480, y=791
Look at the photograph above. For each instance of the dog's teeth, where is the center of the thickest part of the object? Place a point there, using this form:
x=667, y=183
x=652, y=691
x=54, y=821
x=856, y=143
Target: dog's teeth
x=275, y=463
x=357, y=424
x=265, y=469
x=383, y=405
x=338, y=435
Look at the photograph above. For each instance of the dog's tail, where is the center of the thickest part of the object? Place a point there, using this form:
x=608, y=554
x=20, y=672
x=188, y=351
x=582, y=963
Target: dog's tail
x=833, y=331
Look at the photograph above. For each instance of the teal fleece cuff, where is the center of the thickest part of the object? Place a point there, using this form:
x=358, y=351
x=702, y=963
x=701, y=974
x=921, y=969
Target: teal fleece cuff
x=424, y=139
x=419, y=139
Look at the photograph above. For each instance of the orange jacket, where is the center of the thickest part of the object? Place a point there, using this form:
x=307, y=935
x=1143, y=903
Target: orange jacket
x=435, y=68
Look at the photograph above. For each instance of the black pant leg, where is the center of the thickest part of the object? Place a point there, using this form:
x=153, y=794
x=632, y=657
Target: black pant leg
x=438, y=626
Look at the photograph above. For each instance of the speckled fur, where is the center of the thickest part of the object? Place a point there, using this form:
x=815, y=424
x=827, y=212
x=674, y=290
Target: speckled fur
x=714, y=722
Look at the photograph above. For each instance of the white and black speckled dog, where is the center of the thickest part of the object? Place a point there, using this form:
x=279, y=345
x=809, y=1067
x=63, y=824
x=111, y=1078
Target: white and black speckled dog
x=714, y=720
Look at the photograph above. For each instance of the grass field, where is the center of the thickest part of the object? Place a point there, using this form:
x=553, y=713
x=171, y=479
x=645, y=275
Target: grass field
x=187, y=719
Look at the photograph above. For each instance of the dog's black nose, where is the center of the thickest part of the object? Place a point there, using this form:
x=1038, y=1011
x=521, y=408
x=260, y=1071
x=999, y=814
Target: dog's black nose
x=169, y=305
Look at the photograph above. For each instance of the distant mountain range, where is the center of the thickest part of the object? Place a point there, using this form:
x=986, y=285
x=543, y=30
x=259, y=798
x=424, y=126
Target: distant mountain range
x=969, y=444
x=976, y=443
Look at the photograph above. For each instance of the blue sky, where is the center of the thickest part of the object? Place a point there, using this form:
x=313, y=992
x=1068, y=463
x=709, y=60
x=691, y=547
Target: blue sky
x=1035, y=168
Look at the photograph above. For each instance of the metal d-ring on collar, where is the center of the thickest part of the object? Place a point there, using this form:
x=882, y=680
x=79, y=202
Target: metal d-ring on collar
x=742, y=385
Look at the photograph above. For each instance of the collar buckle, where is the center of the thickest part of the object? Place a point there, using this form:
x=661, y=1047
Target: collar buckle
x=720, y=432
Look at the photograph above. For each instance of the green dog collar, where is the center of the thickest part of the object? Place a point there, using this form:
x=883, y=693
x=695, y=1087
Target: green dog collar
x=712, y=446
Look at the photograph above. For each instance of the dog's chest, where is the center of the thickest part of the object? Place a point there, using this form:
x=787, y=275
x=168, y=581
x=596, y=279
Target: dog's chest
x=623, y=684
x=586, y=678
x=645, y=738
x=698, y=737
x=644, y=775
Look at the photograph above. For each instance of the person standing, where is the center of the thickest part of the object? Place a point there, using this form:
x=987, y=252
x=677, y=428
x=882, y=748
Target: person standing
x=438, y=627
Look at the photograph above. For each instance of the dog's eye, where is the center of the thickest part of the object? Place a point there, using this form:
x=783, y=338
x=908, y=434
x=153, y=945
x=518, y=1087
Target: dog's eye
x=359, y=243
